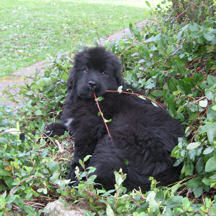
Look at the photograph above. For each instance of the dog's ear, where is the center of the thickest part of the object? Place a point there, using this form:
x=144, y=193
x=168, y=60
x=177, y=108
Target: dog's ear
x=71, y=87
x=117, y=68
x=70, y=81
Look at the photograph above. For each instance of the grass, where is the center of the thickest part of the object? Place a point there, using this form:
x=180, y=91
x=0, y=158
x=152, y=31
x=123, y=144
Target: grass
x=31, y=30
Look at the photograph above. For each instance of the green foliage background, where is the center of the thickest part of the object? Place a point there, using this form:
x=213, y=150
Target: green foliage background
x=172, y=62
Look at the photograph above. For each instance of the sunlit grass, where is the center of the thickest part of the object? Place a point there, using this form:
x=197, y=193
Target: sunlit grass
x=31, y=30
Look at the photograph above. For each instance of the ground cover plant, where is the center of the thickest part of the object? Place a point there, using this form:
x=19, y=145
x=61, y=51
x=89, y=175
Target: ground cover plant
x=170, y=61
x=31, y=31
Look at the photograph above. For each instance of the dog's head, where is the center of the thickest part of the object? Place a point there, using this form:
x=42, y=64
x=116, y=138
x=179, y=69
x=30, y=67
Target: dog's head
x=95, y=71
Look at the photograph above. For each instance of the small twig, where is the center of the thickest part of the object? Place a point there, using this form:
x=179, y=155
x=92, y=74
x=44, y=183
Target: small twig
x=184, y=181
x=202, y=98
x=124, y=92
x=61, y=147
x=136, y=94
x=34, y=204
x=189, y=190
x=20, y=183
x=9, y=131
x=196, y=100
x=97, y=199
x=182, y=191
x=194, y=133
x=187, y=211
x=117, y=198
x=144, y=198
x=15, y=207
x=125, y=50
x=102, y=116
x=180, y=15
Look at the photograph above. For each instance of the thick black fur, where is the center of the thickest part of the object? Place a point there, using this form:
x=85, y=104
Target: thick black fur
x=143, y=135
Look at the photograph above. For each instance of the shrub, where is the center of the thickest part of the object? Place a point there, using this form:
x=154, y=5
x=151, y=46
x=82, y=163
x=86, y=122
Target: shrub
x=176, y=65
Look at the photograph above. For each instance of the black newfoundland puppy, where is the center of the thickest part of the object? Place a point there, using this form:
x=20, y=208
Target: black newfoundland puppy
x=142, y=135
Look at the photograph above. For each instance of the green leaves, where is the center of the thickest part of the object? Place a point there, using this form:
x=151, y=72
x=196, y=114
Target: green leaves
x=210, y=129
x=174, y=201
x=109, y=210
x=210, y=36
x=120, y=89
x=154, y=38
x=4, y=172
x=213, y=108
x=148, y=4
x=153, y=205
x=208, y=150
x=203, y=103
x=38, y=112
x=211, y=164
x=119, y=177
x=193, y=145
x=176, y=65
x=100, y=99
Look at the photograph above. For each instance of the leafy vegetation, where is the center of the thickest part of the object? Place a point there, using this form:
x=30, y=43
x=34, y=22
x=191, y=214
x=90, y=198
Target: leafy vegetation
x=31, y=31
x=196, y=11
x=172, y=62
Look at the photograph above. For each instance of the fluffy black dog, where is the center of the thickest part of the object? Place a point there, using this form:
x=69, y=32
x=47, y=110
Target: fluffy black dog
x=143, y=135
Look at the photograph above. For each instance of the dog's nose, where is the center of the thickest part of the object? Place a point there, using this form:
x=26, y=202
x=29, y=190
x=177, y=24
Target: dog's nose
x=92, y=84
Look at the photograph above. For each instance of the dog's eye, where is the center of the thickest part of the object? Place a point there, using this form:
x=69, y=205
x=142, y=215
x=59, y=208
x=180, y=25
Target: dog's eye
x=103, y=73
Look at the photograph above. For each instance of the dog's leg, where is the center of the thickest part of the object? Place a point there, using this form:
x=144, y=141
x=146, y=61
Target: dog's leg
x=71, y=174
x=85, y=145
x=107, y=159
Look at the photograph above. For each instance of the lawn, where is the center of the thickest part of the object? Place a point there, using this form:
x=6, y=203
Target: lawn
x=32, y=30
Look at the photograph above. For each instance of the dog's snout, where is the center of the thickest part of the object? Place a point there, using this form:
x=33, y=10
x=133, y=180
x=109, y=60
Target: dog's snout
x=92, y=84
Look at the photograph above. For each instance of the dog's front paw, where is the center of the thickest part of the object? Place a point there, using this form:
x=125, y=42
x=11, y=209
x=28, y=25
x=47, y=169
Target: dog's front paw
x=71, y=171
x=72, y=175
x=55, y=129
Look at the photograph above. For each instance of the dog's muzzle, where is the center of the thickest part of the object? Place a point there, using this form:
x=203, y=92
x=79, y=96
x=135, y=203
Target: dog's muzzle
x=92, y=85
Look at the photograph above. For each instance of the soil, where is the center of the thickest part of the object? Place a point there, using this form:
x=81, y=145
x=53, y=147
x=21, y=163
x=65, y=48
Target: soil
x=18, y=78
